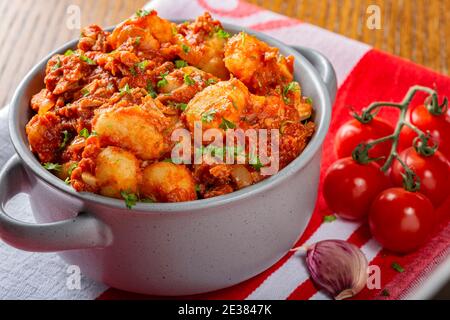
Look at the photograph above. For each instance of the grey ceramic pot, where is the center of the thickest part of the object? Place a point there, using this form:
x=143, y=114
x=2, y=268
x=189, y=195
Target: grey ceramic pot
x=168, y=248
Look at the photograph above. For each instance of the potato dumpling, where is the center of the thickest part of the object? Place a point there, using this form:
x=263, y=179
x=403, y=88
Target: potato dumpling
x=135, y=128
x=116, y=170
x=256, y=64
x=168, y=182
x=202, y=45
x=150, y=29
x=184, y=83
x=44, y=136
x=218, y=106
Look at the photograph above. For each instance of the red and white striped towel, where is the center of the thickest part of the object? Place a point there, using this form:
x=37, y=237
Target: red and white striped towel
x=364, y=75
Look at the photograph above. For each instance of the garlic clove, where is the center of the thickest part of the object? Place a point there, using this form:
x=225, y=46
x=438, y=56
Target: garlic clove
x=338, y=267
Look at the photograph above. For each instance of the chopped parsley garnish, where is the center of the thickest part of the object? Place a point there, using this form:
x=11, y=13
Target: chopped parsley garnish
x=211, y=81
x=185, y=48
x=222, y=33
x=84, y=133
x=142, y=13
x=188, y=80
x=72, y=167
x=94, y=134
x=57, y=64
x=133, y=71
x=227, y=124
x=137, y=41
x=125, y=89
x=163, y=82
x=142, y=65
x=65, y=139
x=258, y=165
x=87, y=60
x=52, y=166
x=69, y=53
x=67, y=181
x=197, y=188
x=151, y=91
x=180, y=64
x=208, y=116
x=181, y=106
x=385, y=293
x=85, y=92
x=243, y=38
x=329, y=218
x=309, y=100
x=397, y=267
x=130, y=199
x=174, y=30
x=292, y=86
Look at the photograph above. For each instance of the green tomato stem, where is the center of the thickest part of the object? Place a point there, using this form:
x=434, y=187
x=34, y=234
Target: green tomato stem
x=360, y=154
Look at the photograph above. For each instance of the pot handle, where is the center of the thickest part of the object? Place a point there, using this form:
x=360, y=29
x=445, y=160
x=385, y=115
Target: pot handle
x=323, y=67
x=83, y=231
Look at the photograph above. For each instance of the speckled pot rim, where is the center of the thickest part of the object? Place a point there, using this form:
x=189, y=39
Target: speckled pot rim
x=300, y=162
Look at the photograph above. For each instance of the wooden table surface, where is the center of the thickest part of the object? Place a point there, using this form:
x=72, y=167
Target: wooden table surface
x=414, y=29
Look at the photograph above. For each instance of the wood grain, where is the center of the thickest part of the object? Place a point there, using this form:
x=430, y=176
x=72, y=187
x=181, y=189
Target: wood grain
x=418, y=30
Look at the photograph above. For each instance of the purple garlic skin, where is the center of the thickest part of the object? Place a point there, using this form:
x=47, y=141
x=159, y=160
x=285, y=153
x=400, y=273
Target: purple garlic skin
x=337, y=266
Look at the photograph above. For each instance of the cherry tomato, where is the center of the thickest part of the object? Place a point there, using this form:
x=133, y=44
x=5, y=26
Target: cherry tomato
x=433, y=171
x=353, y=132
x=438, y=126
x=350, y=187
x=400, y=220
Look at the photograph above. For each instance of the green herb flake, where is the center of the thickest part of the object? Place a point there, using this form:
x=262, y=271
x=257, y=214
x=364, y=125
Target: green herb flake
x=208, y=116
x=397, y=267
x=151, y=91
x=385, y=293
x=185, y=48
x=243, y=38
x=180, y=64
x=142, y=13
x=226, y=124
x=85, y=92
x=69, y=53
x=125, y=89
x=292, y=86
x=65, y=139
x=181, y=106
x=211, y=81
x=258, y=165
x=329, y=218
x=52, y=166
x=133, y=71
x=57, y=65
x=88, y=60
x=72, y=167
x=163, y=82
x=142, y=65
x=84, y=133
x=67, y=181
x=137, y=41
x=197, y=188
x=188, y=80
x=222, y=33
x=309, y=100
x=130, y=199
